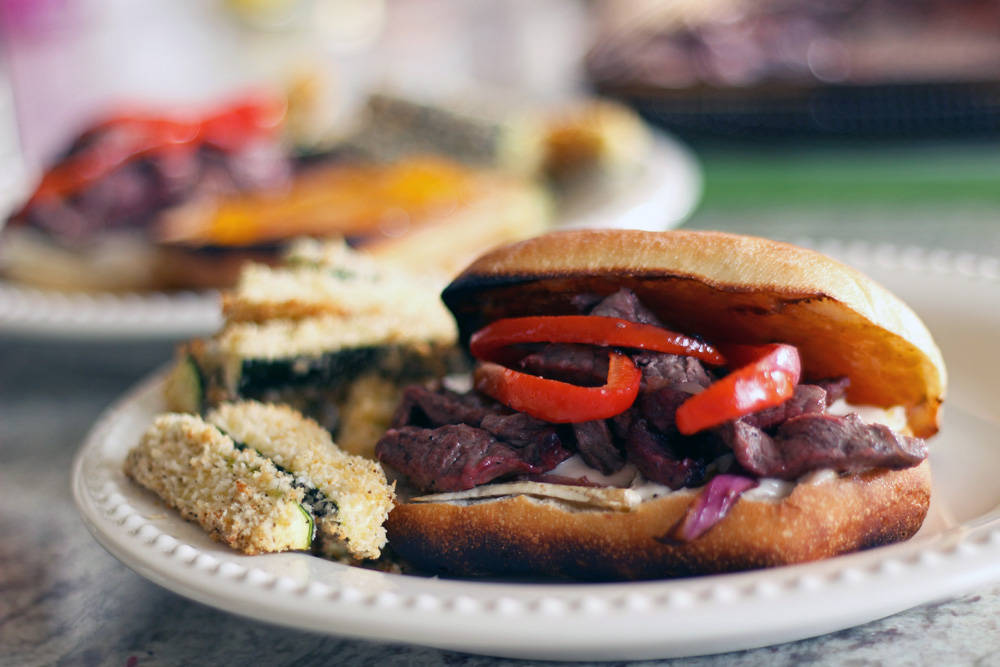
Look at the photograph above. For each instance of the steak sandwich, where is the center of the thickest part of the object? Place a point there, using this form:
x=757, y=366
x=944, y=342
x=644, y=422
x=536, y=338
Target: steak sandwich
x=659, y=404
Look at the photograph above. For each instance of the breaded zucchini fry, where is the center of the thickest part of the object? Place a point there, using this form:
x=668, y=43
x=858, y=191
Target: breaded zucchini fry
x=348, y=496
x=305, y=334
x=237, y=495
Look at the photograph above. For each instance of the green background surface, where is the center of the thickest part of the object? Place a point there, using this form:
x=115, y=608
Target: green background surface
x=931, y=195
x=827, y=175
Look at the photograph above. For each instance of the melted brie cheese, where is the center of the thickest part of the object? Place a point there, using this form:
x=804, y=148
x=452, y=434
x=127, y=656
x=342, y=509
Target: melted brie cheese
x=575, y=468
x=601, y=497
x=894, y=417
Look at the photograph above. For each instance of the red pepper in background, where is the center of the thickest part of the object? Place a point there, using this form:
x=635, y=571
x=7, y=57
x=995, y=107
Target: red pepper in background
x=235, y=125
x=129, y=136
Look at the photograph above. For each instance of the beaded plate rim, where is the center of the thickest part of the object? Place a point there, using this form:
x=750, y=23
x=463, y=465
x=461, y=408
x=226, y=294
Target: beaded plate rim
x=635, y=620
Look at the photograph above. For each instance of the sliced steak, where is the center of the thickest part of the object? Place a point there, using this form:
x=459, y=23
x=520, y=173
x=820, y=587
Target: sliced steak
x=660, y=408
x=660, y=369
x=625, y=305
x=587, y=365
x=596, y=446
x=652, y=454
x=835, y=388
x=460, y=457
x=807, y=399
x=755, y=450
x=816, y=441
x=583, y=365
x=421, y=406
x=517, y=429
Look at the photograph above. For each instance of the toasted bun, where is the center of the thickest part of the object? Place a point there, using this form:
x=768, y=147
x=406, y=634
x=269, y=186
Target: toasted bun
x=522, y=535
x=726, y=288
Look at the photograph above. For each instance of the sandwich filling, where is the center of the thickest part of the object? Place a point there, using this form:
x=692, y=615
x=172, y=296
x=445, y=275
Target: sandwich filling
x=632, y=410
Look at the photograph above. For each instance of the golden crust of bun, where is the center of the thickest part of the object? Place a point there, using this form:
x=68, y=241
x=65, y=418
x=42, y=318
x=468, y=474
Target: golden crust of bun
x=520, y=535
x=726, y=288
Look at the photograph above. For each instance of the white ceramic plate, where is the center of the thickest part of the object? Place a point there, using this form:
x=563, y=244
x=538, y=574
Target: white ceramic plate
x=956, y=551
x=137, y=316
x=662, y=196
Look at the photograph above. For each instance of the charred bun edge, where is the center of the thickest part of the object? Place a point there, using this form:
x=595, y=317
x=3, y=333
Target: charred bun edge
x=525, y=535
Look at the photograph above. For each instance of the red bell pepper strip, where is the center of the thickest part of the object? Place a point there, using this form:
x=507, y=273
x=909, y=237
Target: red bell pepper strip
x=233, y=126
x=763, y=376
x=560, y=402
x=488, y=342
x=138, y=134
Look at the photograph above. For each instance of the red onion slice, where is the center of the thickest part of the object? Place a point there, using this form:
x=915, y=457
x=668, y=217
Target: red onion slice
x=711, y=505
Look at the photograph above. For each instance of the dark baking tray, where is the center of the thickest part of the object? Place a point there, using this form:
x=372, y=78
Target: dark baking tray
x=779, y=113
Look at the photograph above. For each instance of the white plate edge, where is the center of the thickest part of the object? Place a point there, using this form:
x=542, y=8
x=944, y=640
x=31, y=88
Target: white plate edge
x=950, y=551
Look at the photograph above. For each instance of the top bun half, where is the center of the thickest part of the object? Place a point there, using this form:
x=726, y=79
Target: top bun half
x=725, y=288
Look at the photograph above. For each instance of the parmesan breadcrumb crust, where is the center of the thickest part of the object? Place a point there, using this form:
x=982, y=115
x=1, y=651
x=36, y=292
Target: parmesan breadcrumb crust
x=238, y=496
x=279, y=338
x=301, y=291
x=357, y=486
x=366, y=413
x=312, y=319
x=329, y=297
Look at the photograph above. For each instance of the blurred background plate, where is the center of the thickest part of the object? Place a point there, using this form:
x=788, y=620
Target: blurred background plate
x=36, y=313
x=887, y=113
x=663, y=194
x=799, y=70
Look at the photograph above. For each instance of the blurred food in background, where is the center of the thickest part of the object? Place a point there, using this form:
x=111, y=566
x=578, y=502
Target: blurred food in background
x=794, y=69
x=181, y=198
x=90, y=221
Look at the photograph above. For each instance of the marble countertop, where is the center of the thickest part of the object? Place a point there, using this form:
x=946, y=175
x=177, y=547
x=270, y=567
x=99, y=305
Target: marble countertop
x=64, y=600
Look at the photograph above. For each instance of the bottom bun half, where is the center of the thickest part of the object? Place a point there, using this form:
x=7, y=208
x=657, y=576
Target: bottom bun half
x=525, y=536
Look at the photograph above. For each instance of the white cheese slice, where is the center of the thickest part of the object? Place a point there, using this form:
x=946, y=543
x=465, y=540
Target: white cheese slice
x=591, y=496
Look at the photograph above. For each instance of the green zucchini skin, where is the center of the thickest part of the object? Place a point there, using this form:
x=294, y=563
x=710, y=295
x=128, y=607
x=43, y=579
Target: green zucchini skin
x=348, y=496
x=312, y=527
x=260, y=376
x=333, y=370
x=315, y=504
x=185, y=386
x=316, y=385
